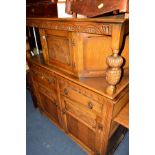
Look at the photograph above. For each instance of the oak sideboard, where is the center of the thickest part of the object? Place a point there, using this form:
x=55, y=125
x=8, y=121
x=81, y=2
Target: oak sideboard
x=80, y=80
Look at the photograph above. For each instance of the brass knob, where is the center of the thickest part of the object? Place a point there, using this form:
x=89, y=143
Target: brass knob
x=73, y=42
x=100, y=126
x=63, y=111
x=90, y=105
x=56, y=103
x=50, y=80
x=66, y=91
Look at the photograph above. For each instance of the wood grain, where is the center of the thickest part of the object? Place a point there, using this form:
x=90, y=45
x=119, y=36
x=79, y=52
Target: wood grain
x=97, y=85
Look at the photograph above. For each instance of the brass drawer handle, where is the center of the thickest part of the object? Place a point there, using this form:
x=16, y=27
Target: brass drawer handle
x=100, y=126
x=50, y=81
x=66, y=91
x=73, y=42
x=56, y=104
x=90, y=105
x=63, y=111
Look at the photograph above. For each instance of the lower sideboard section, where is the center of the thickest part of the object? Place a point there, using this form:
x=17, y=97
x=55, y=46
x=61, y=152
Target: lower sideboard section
x=83, y=114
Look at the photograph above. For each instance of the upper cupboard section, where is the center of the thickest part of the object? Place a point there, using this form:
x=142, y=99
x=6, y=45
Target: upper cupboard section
x=79, y=54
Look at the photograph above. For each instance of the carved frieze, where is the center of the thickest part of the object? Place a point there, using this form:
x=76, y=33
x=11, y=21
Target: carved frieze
x=85, y=27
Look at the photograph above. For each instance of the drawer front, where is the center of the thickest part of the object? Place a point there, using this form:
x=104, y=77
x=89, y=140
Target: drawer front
x=44, y=78
x=50, y=93
x=87, y=102
x=83, y=115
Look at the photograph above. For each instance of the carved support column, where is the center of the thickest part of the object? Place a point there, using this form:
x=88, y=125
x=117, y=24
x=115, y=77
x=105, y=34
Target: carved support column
x=114, y=71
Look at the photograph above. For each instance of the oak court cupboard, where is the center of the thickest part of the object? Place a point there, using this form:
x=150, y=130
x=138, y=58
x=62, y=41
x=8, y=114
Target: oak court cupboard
x=80, y=80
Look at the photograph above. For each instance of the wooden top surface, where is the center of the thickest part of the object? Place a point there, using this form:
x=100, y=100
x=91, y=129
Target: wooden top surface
x=101, y=26
x=111, y=19
x=123, y=116
x=97, y=85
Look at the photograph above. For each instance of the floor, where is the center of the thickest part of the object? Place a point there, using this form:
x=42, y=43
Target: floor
x=44, y=138
x=123, y=148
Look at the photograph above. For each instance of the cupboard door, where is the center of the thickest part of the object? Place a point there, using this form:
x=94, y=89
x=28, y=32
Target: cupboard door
x=50, y=108
x=81, y=132
x=91, y=51
x=57, y=48
x=49, y=103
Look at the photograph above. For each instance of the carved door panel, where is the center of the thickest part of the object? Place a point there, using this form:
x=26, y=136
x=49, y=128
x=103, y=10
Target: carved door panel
x=49, y=103
x=57, y=48
x=82, y=126
x=91, y=51
x=96, y=49
x=50, y=107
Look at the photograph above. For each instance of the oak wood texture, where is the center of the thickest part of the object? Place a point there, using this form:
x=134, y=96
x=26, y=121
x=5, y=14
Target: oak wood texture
x=92, y=8
x=94, y=84
x=78, y=106
x=98, y=25
x=123, y=116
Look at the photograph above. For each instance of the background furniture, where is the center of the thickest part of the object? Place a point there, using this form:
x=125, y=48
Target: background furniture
x=41, y=8
x=93, y=8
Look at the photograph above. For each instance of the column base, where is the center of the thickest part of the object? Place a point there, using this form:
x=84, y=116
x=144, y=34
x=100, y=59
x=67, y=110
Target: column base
x=111, y=89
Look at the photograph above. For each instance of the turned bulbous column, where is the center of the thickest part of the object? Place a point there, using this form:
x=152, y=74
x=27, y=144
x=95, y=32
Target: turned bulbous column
x=113, y=73
x=115, y=61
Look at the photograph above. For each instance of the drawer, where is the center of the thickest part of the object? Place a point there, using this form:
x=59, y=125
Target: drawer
x=50, y=93
x=44, y=78
x=74, y=94
x=77, y=112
